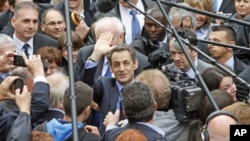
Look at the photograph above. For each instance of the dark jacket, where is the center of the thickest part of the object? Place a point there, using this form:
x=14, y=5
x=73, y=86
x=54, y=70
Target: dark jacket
x=39, y=105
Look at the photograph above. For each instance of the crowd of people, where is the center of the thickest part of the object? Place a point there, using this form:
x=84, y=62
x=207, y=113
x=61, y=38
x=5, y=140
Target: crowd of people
x=126, y=66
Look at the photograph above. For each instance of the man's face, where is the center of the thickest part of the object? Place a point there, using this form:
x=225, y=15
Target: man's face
x=155, y=32
x=123, y=67
x=216, y=51
x=180, y=59
x=53, y=24
x=25, y=23
x=125, y=4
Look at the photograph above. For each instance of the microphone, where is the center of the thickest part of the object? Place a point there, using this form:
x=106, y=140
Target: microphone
x=106, y=5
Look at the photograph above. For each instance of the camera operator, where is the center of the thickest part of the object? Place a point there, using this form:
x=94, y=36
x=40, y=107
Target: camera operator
x=180, y=63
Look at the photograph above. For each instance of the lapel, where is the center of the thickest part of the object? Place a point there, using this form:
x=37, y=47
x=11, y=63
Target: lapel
x=114, y=92
x=99, y=68
x=224, y=4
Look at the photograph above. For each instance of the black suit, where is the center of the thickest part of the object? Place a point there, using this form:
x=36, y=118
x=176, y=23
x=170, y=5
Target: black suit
x=86, y=51
x=150, y=134
x=105, y=93
x=5, y=17
x=227, y=6
x=41, y=40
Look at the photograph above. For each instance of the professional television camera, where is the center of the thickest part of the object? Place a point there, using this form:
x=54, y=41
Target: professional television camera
x=186, y=95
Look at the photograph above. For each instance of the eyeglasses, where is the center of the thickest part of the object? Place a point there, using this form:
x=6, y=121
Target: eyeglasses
x=54, y=23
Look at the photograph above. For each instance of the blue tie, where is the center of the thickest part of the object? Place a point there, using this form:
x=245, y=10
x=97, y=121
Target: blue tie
x=135, y=25
x=26, y=48
x=108, y=72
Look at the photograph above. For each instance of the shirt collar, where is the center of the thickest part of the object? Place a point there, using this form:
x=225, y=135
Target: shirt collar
x=230, y=63
x=19, y=44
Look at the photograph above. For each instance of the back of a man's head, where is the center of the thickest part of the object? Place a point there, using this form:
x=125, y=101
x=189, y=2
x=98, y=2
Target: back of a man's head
x=138, y=103
x=58, y=82
x=159, y=84
x=84, y=97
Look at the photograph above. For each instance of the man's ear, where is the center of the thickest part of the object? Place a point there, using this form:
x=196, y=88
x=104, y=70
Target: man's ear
x=11, y=8
x=13, y=20
x=136, y=64
x=43, y=27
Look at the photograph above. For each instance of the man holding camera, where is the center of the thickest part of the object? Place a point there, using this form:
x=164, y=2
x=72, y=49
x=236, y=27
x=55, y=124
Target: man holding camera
x=40, y=93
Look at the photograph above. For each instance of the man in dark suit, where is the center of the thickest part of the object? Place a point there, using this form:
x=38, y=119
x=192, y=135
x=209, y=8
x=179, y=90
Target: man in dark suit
x=104, y=25
x=225, y=55
x=25, y=22
x=107, y=90
x=139, y=107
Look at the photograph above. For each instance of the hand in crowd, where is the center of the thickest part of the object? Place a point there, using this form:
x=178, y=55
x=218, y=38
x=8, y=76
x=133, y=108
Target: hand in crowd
x=35, y=65
x=95, y=106
x=92, y=129
x=5, y=93
x=23, y=100
x=82, y=29
x=112, y=119
x=102, y=46
x=6, y=61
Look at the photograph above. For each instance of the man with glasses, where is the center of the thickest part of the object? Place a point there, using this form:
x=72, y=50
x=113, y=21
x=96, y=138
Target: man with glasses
x=53, y=23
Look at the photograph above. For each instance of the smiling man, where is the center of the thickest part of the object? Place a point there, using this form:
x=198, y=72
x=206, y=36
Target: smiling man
x=53, y=23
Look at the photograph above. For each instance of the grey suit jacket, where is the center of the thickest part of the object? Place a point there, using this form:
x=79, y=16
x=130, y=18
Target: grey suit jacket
x=86, y=51
x=41, y=40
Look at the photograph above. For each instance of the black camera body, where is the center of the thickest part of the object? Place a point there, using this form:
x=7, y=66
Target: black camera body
x=186, y=100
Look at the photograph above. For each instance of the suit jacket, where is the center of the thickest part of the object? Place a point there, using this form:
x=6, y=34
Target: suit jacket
x=239, y=66
x=150, y=134
x=41, y=40
x=5, y=17
x=39, y=105
x=227, y=6
x=85, y=52
x=105, y=93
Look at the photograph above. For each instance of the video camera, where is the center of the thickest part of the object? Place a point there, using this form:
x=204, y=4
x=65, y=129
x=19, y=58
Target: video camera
x=186, y=95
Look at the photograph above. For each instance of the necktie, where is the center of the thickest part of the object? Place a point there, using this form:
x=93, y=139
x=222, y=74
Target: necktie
x=108, y=72
x=26, y=48
x=184, y=75
x=135, y=25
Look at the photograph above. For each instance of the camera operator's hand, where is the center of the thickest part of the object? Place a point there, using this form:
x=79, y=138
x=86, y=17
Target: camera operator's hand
x=6, y=61
x=102, y=46
x=35, y=65
x=4, y=88
x=23, y=100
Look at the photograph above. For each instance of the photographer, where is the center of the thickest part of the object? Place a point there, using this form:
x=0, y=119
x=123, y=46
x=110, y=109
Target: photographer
x=40, y=95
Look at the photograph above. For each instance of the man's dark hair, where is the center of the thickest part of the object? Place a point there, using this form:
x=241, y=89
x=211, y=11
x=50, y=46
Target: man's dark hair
x=84, y=97
x=230, y=32
x=123, y=47
x=138, y=102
